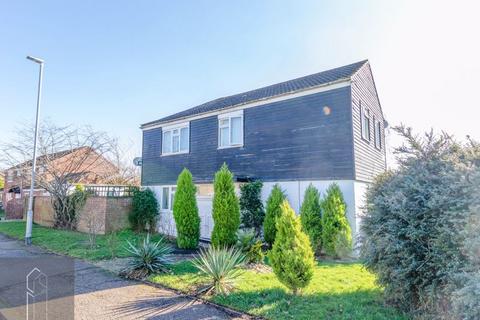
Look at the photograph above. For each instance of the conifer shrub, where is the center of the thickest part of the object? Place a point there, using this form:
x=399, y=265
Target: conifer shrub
x=311, y=217
x=336, y=232
x=291, y=256
x=251, y=206
x=185, y=212
x=226, y=210
x=274, y=201
x=420, y=233
x=144, y=210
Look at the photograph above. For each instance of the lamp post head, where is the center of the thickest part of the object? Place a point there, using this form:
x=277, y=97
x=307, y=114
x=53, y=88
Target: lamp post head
x=37, y=60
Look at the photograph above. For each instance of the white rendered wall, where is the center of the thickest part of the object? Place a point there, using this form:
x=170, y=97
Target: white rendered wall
x=353, y=192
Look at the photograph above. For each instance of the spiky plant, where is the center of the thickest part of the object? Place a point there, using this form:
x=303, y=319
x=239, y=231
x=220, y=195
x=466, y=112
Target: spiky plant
x=221, y=267
x=148, y=257
x=250, y=246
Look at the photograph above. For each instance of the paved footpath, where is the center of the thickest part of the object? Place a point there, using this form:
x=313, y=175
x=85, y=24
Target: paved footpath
x=102, y=295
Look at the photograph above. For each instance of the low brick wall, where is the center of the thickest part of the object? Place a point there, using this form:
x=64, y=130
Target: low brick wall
x=108, y=214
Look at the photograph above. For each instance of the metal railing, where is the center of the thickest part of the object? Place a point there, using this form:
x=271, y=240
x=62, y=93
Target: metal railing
x=110, y=191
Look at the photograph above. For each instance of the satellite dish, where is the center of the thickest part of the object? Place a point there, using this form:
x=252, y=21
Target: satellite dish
x=138, y=161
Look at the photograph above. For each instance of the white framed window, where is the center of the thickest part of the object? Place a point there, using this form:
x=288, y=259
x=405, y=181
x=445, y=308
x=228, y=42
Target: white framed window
x=176, y=139
x=167, y=197
x=365, y=122
x=378, y=134
x=230, y=130
x=9, y=175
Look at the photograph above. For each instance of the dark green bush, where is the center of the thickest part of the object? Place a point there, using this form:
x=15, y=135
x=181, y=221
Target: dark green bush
x=336, y=232
x=226, y=210
x=274, y=201
x=251, y=206
x=311, y=217
x=421, y=229
x=185, y=212
x=144, y=210
x=291, y=256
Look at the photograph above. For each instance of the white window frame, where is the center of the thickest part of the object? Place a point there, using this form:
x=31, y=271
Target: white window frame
x=10, y=176
x=171, y=129
x=365, y=115
x=171, y=194
x=229, y=116
x=378, y=134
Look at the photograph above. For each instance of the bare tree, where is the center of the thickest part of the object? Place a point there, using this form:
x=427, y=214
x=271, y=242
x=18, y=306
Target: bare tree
x=68, y=155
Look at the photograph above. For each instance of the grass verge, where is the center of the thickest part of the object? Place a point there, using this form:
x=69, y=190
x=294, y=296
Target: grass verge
x=72, y=243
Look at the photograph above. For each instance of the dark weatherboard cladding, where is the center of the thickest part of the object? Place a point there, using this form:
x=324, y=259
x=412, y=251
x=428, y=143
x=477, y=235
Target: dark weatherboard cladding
x=293, y=139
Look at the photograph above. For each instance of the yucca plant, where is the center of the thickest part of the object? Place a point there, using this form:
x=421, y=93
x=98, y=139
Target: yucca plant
x=250, y=246
x=221, y=267
x=148, y=257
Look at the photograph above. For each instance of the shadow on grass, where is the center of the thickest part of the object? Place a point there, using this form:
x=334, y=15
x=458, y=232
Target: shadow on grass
x=277, y=303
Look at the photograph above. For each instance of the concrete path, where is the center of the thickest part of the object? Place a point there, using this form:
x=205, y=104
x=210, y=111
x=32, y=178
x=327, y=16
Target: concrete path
x=98, y=293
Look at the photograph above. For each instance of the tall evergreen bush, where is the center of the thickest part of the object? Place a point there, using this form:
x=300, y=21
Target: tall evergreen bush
x=336, y=232
x=311, y=218
x=421, y=228
x=226, y=210
x=291, y=256
x=185, y=212
x=274, y=201
x=251, y=206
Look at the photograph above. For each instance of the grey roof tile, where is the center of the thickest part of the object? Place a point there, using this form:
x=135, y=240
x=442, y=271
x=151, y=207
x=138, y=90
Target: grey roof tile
x=281, y=88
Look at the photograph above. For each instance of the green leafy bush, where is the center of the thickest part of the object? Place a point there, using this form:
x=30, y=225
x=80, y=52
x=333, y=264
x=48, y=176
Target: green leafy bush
x=226, y=210
x=311, y=217
x=336, y=232
x=147, y=258
x=144, y=210
x=185, y=212
x=291, y=256
x=274, y=201
x=221, y=267
x=421, y=229
x=250, y=246
x=251, y=206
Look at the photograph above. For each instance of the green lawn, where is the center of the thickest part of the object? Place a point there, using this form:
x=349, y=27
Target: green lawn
x=337, y=291
x=72, y=243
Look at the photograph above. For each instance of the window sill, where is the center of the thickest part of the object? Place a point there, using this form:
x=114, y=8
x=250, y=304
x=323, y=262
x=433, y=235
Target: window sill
x=230, y=147
x=173, y=154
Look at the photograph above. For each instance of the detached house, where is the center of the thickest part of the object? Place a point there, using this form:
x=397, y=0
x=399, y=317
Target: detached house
x=317, y=129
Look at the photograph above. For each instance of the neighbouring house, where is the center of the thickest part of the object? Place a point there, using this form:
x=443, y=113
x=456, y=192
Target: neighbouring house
x=322, y=128
x=92, y=169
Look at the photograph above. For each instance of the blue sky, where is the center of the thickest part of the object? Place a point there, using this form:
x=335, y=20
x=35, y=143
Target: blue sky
x=117, y=64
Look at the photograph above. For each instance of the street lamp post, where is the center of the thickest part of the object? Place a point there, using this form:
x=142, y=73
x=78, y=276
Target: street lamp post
x=28, y=231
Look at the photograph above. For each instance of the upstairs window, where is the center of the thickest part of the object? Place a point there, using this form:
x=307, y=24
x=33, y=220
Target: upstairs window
x=230, y=130
x=9, y=175
x=365, y=122
x=378, y=135
x=176, y=139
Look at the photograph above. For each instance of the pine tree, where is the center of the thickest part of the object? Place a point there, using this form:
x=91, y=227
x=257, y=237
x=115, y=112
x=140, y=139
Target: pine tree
x=226, y=210
x=310, y=216
x=251, y=206
x=336, y=232
x=274, y=201
x=291, y=256
x=185, y=212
